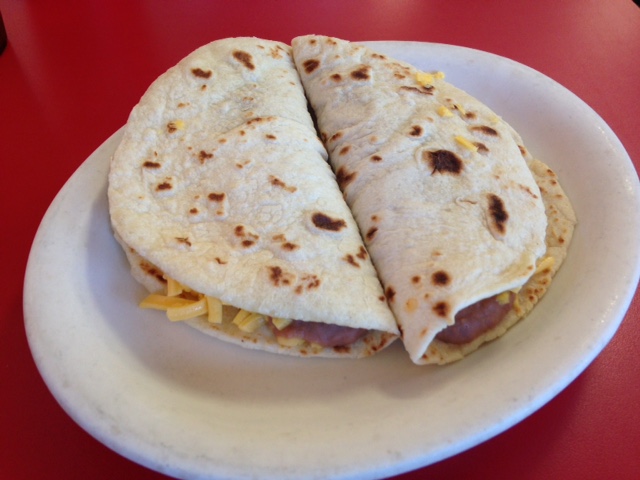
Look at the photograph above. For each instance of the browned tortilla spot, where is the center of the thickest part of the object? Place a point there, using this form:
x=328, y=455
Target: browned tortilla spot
x=310, y=281
x=310, y=65
x=164, y=186
x=290, y=246
x=342, y=349
x=362, y=253
x=270, y=136
x=485, y=130
x=216, y=197
x=371, y=233
x=336, y=77
x=361, y=73
x=335, y=136
x=149, y=164
x=257, y=120
x=244, y=58
x=204, y=156
x=198, y=72
x=184, y=240
x=441, y=309
x=528, y=190
x=497, y=213
x=193, y=211
x=443, y=161
x=440, y=278
x=426, y=90
x=278, y=277
x=390, y=293
x=325, y=222
x=220, y=261
x=275, y=52
x=248, y=243
x=344, y=178
x=351, y=260
x=482, y=148
x=276, y=182
x=171, y=127
x=416, y=131
x=344, y=150
x=376, y=158
x=152, y=271
x=416, y=279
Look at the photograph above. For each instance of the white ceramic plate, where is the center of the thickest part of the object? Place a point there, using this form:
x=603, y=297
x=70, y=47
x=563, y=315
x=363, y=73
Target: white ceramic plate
x=188, y=405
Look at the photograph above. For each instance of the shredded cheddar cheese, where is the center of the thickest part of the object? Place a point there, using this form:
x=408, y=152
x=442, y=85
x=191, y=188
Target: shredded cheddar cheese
x=444, y=111
x=174, y=288
x=190, y=310
x=248, y=321
x=214, y=310
x=424, y=79
x=466, y=143
x=162, y=302
x=545, y=263
x=181, y=303
x=503, y=298
x=281, y=323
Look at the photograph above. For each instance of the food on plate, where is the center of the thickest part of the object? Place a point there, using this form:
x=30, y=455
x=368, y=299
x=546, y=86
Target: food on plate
x=465, y=228
x=223, y=201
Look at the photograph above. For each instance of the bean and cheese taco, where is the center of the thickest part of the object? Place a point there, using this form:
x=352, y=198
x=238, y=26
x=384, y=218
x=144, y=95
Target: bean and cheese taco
x=222, y=198
x=465, y=228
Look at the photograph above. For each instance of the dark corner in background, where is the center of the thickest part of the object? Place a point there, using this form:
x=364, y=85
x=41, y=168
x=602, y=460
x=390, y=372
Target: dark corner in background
x=3, y=35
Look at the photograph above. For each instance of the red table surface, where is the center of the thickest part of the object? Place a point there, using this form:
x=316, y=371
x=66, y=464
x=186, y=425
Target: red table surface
x=73, y=70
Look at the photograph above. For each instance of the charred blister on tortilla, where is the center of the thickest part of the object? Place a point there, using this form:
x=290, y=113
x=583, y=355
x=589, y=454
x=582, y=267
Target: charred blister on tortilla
x=326, y=223
x=443, y=161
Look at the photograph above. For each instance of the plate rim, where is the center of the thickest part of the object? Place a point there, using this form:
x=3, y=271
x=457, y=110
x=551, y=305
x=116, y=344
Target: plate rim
x=407, y=463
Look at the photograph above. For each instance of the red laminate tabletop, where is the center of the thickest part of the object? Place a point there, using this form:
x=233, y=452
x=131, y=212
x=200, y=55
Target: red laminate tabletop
x=72, y=72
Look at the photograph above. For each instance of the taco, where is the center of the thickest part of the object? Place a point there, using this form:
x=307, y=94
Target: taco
x=464, y=227
x=222, y=198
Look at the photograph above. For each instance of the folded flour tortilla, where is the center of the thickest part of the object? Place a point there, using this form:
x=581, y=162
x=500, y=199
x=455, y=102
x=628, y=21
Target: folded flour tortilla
x=453, y=209
x=221, y=184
